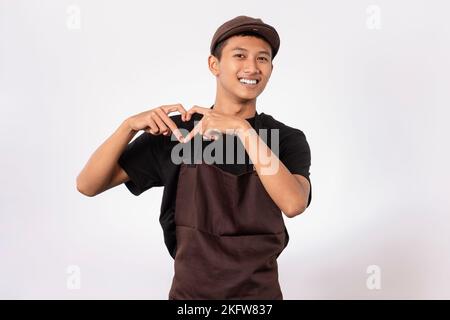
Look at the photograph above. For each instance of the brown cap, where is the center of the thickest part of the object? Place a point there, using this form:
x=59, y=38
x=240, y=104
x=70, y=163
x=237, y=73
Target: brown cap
x=243, y=24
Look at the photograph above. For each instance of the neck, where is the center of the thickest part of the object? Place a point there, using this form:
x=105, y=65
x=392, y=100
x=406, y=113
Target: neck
x=242, y=109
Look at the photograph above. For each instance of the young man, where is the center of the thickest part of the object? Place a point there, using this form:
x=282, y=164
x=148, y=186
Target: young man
x=222, y=221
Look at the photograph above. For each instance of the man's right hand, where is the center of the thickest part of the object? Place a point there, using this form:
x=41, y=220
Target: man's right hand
x=156, y=121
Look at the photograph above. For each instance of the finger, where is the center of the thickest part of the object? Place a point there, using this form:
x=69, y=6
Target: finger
x=169, y=122
x=175, y=107
x=197, y=129
x=197, y=109
x=162, y=127
x=153, y=128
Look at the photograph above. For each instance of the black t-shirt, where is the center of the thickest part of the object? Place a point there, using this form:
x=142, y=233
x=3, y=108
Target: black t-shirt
x=147, y=161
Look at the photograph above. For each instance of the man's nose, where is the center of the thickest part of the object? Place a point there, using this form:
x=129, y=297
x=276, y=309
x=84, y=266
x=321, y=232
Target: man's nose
x=251, y=66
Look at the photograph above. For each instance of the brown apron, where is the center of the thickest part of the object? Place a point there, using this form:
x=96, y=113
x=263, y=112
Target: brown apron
x=229, y=234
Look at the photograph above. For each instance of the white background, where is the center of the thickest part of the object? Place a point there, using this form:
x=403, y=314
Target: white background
x=373, y=100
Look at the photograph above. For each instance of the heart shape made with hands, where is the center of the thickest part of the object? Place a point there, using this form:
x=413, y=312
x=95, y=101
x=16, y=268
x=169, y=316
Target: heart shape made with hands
x=212, y=124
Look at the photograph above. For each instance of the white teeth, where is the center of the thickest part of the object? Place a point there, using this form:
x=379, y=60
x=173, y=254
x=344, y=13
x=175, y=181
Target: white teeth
x=248, y=81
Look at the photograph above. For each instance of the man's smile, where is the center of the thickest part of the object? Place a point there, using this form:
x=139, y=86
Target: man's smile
x=248, y=82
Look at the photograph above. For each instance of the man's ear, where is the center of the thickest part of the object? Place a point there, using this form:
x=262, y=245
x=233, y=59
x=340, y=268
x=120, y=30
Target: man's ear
x=213, y=64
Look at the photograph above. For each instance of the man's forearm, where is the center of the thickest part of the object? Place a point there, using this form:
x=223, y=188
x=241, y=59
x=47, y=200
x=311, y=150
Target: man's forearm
x=98, y=171
x=284, y=189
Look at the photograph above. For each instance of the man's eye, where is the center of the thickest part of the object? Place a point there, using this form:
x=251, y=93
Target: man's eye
x=264, y=58
x=238, y=55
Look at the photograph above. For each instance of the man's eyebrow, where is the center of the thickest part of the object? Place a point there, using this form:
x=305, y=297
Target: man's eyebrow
x=243, y=49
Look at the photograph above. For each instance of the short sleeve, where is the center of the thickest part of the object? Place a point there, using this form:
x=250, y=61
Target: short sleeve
x=140, y=160
x=296, y=155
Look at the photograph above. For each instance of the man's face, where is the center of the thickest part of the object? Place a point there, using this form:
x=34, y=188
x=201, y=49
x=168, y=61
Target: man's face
x=244, y=60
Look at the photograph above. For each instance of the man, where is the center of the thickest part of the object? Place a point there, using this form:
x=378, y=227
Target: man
x=222, y=221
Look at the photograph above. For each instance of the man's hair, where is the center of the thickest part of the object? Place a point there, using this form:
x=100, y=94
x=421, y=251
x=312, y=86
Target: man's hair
x=218, y=49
